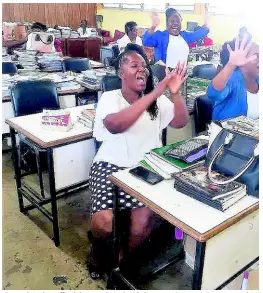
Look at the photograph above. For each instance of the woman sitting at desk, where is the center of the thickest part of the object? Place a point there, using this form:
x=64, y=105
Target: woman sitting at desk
x=172, y=45
x=130, y=36
x=235, y=89
x=129, y=123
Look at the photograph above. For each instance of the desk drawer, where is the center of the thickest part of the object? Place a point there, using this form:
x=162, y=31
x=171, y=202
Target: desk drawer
x=230, y=251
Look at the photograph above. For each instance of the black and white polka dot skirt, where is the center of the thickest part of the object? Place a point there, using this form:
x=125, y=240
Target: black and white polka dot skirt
x=102, y=189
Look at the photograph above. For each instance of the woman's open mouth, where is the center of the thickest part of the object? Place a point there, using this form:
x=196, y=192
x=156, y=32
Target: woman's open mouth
x=175, y=28
x=141, y=80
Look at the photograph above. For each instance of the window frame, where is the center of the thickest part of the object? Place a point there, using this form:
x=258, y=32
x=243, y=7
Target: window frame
x=142, y=9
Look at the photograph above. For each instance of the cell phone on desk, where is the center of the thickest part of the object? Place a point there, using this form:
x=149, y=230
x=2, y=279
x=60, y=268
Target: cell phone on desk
x=146, y=175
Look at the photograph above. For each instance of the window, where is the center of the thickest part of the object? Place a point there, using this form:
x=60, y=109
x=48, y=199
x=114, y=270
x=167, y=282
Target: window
x=157, y=7
x=111, y=5
x=182, y=7
x=229, y=9
x=137, y=6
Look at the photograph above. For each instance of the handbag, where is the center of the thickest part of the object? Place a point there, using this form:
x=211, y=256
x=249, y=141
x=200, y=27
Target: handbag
x=234, y=155
x=41, y=42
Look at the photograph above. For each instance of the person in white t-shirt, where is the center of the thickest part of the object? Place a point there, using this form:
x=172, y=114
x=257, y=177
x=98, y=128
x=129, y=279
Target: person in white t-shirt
x=130, y=36
x=172, y=45
x=85, y=31
x=129, y=123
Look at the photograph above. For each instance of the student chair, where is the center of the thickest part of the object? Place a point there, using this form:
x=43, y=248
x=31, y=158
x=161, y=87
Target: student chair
x=9, y=68
x=203, y=109
x=205, y=71
x=76, y=64
x=30, y=97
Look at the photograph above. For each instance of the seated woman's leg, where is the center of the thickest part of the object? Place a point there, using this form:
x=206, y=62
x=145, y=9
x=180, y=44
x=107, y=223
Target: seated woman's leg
x=143, y=223
x=100, y=253
x=101, y=224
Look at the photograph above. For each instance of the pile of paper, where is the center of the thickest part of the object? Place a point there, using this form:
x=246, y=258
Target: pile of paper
x=50, y=61
x=5, y=56
x=87, y=118
x=165, y=165
x=65, y=32
x=197, y=184
x=9, y=81
x=27, y=59
x=55, y=32
x=74, y=34
x=89, y=79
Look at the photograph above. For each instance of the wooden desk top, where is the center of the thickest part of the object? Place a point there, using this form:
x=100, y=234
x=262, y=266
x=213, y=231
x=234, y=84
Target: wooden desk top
x=30, y=127
x=198, y=220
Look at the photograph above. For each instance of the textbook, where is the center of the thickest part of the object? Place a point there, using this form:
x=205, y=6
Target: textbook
x=165, y=165
x=196, y=184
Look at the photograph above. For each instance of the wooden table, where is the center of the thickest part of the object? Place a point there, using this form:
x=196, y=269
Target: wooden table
x=227, y=242
x=69, y=155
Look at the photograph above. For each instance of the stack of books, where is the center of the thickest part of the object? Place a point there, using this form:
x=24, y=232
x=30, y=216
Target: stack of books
x=74, y=34
x=196, y=184
x=65, y=32
x=49, y=61
x=27, y=59
x=55, y=32
x=87, y=117
x=242, y=124
x=165, y=161
x=89, y=79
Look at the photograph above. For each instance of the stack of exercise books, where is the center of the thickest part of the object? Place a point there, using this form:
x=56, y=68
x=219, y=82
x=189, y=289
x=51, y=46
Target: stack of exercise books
x=49, y=61
x=74, y=34
x=242, y=124
x=196, y=184
x=177, y=157
x=65, y=32
x=27, y=59
x=89, y=79
x=55, y=32
x=87, y=117
x=63, y=81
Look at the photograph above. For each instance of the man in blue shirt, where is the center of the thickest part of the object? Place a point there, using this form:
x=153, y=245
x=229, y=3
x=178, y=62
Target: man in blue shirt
x=172, y=45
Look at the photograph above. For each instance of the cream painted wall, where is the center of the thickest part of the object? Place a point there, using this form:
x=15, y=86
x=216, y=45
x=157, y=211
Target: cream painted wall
x=223, y=28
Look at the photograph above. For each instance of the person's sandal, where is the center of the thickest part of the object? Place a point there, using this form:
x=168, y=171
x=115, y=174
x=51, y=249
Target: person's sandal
x=96, y=272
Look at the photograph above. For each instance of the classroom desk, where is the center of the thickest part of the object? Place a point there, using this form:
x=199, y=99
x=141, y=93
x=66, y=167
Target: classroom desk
x=227, y=242
x=69, y=155
x=7, y=110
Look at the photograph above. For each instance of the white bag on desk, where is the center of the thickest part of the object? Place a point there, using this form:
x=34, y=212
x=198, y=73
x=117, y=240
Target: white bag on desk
x=41, y=42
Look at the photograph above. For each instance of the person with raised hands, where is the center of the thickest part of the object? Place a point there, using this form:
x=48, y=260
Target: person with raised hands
x=129, y=122
x=172, y=45
x=235, y=89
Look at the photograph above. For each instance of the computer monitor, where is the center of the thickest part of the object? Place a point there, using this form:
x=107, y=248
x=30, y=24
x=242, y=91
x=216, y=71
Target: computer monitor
x=106, y=52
